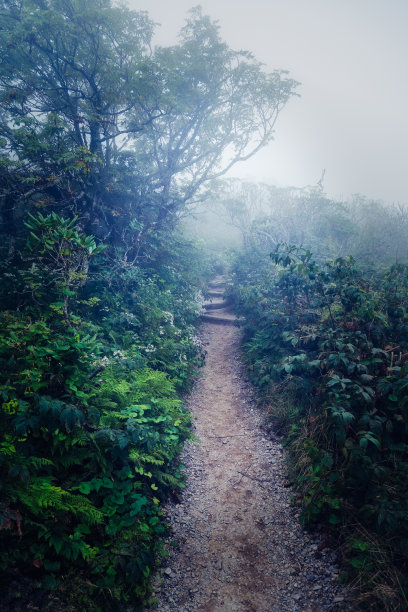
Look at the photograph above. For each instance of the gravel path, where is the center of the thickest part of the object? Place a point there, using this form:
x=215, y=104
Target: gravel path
x=236, y=544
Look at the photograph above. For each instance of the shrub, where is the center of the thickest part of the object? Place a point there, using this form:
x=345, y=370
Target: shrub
x=337, y=342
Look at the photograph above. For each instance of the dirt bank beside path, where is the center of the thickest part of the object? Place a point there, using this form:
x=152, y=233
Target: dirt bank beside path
x=238, y=544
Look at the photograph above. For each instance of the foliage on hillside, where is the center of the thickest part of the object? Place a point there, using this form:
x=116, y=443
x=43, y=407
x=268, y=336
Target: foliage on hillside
x=104, y=144
x=91, y=422
x=327, y=346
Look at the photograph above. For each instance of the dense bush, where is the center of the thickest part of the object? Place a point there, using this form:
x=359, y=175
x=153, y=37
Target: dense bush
x=328, y=349
x=91, y=421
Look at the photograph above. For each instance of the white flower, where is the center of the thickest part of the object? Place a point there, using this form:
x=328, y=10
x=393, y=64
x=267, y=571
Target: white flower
x=129, y=315
x=149, y=348
x=169, y=318
x=195, y=341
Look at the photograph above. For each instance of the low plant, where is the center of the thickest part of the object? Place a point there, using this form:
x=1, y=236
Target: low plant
x=91, y=421
x=334, y=341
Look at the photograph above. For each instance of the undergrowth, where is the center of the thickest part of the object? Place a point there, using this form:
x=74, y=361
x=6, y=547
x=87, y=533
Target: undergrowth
x=92, y=423
x=327, y=347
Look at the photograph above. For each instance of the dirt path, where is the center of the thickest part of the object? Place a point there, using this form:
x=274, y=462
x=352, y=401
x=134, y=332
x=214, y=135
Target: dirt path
x=237, y=545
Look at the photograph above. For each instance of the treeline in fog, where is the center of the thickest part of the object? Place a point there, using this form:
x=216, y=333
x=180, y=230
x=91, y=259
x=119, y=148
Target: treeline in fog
x=373, y=232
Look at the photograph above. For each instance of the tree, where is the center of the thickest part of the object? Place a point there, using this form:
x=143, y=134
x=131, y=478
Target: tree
x=95, y=123
x=221, y=110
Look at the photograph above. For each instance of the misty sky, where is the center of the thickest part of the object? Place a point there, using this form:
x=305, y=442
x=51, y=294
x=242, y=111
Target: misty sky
x=351, y=57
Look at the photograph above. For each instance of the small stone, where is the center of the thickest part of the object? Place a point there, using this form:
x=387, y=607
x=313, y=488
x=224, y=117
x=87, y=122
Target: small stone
x=168, y=571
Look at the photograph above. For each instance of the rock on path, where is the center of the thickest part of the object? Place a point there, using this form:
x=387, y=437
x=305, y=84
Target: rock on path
x=238, y=544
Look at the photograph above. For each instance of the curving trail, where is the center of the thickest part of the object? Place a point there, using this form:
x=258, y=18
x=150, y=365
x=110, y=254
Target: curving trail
x=239, y=546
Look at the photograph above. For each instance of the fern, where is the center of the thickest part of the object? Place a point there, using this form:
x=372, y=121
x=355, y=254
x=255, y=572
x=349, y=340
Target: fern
x=80, y=438
x=151, y=460
x=168, y=480
x=42, y=495
x=139, y=458
x=79, y=457
x=139, y=387
x=39, y=462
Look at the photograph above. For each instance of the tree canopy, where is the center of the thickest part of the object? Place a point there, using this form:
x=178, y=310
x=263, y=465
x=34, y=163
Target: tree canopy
x=97, y=123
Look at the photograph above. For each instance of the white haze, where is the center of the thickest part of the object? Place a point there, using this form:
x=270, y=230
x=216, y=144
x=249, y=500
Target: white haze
x=351, y=57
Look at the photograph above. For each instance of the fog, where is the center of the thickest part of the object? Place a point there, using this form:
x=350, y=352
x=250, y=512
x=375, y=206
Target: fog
x=351, y=58
x=134, y=270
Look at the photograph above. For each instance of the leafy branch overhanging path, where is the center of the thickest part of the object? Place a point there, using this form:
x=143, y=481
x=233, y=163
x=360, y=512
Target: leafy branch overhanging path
x=237, y=545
